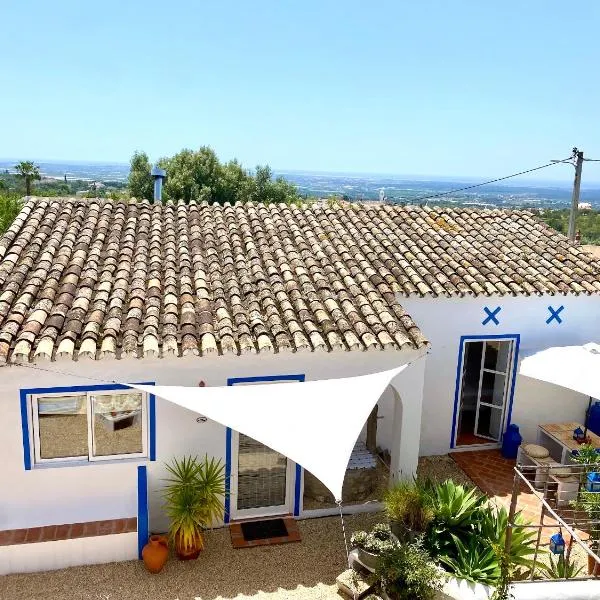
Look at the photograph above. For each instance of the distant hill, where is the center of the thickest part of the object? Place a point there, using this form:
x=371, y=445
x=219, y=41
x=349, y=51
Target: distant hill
x=542, y=195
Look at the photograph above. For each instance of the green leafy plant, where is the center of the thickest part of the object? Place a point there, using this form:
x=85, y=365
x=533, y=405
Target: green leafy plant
x=473, y=561
x=590, y=503
x=492, y=525
x=586, y=455
x=562, y=568
x=406, y=572
x=193, y=497
x=408, y=504
x=455, y=511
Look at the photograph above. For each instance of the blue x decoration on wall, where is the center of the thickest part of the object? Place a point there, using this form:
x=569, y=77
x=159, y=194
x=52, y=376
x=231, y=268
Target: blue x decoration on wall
x=491, y=316
x=555, y=315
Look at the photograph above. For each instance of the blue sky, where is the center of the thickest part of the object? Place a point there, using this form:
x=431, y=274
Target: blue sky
x=435, y=87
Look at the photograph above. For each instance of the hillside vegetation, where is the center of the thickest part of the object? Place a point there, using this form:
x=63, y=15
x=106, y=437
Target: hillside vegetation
x=588, y=223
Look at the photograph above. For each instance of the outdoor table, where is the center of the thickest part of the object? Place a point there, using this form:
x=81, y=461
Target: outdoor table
x=552, y=435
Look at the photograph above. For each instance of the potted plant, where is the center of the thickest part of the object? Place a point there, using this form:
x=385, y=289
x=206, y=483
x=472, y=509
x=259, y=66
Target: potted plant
x=408, y=508
x=193, y=500
x=406, y=572
x=370, y=545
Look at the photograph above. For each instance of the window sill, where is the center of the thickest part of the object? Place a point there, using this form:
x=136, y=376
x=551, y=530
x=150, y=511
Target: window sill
x=87, y=463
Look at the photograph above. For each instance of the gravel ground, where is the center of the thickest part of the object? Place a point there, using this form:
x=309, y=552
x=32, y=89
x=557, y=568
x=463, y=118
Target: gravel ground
x=306, y=571
x=442, y=467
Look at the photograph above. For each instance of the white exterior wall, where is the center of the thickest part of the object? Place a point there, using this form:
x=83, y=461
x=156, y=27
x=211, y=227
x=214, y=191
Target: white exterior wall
x=444, y=321
x=49, y=495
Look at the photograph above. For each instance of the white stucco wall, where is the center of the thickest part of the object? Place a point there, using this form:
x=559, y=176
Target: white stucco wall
x=95, y=491
x=444, y=321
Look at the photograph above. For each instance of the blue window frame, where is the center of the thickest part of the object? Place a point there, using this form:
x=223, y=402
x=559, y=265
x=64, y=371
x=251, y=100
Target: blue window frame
x=229, y=441
x=29, y=398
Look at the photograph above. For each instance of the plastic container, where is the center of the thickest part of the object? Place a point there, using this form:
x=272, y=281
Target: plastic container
x=511, y=441
x=594, y=418
x=593, y=482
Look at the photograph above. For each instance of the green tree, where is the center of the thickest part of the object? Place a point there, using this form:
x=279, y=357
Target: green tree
x=30, y=172
x=10, y=206
x=140, y=181
x=199, y=175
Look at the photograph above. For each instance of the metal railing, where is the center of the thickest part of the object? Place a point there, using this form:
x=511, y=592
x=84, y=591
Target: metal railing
x=561, y=492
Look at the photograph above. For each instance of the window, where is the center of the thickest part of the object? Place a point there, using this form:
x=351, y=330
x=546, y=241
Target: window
x=89, y=426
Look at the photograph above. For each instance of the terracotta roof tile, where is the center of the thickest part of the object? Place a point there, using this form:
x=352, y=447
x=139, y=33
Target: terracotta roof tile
x=101, y=279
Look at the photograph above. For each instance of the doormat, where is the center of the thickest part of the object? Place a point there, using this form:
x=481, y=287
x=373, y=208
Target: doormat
x=265, y=532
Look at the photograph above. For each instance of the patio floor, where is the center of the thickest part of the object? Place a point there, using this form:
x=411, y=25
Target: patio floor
x=494, y=476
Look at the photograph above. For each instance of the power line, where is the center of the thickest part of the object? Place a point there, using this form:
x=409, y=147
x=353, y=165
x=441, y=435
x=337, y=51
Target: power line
x=470, y=187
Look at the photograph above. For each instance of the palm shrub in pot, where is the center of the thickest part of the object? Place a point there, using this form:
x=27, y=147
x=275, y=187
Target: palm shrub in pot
x=408, y=508
x=193, y=497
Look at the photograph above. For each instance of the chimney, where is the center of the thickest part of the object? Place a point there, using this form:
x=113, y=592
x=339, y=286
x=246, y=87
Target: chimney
x=159, y=175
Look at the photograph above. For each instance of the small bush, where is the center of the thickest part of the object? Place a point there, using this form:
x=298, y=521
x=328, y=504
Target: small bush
x=408, y=503
x=407, y=572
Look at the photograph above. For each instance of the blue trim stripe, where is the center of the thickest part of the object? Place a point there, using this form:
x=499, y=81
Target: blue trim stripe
x=227, y=517
x=25, y=430
x=297, y=486
x=152, y=425
x=514, y=379
x=516, y=337
x=229, y=440
x=142, y=516
x=25, y=392
x=461, y=348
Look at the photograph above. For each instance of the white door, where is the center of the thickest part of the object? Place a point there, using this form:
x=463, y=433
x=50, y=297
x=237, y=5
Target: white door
x=493, y=389
x=484, y=391
x=261, y=479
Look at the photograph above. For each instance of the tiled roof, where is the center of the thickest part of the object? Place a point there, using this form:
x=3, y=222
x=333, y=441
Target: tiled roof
x=97, y=278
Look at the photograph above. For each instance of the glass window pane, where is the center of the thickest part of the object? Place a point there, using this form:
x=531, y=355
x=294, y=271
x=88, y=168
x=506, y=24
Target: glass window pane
x=117, y=424
x=489, y=422
x=261, y=475
x=496, y=355
x=63, y=428
x=471, y=373
x=492, y=388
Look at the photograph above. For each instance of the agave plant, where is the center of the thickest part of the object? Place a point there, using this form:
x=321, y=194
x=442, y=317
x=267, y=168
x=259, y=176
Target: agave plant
x=563, y=568
x=473, y=561
x=455, y=505
x=193, y=497
x=456, y=510
x=492, y=526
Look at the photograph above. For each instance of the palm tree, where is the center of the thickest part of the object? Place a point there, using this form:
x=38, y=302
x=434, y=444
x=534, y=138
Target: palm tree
x=29, y=172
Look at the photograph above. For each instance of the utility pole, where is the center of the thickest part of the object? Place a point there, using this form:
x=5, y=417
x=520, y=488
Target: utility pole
x=578, y=157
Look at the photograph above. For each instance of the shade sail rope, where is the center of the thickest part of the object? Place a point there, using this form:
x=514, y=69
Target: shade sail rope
x=339, y=503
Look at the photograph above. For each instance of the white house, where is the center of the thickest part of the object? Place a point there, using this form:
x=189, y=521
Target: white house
x=96, y=293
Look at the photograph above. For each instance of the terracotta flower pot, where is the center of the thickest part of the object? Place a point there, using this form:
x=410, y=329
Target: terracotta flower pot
x=593, y=567
x=155, y=553
x=188, y=553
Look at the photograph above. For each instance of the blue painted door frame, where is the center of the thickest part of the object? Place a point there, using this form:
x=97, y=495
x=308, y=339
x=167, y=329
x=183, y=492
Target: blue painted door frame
x=229, y=442
x=516, y=339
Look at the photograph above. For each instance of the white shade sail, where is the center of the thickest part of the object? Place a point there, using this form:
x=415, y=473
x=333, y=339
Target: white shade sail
x=314, y=423
x=573, y=367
